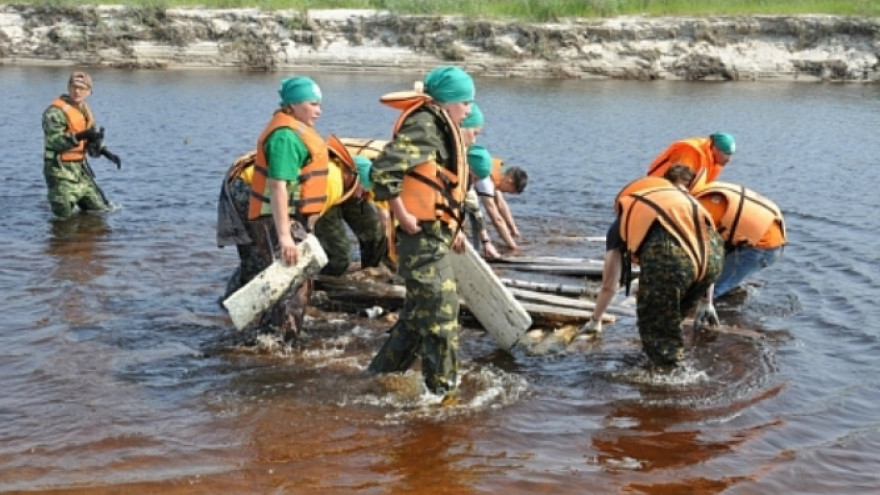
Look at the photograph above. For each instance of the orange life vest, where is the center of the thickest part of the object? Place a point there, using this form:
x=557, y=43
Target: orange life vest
x=431, y=191
x=637, y=185
x=78, y=120
x=747, y=219
x=676, y=210
x=495, y=173
x=312, y=180
x=339, y=154
x=695, y=153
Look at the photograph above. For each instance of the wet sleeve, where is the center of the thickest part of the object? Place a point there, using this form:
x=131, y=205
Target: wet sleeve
x=417, y=141
x=55, y=130
x=286, y=154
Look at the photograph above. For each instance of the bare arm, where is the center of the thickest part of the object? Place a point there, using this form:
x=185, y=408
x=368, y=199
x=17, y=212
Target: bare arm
x=281, y=218
x=498, y=221
x=610, y=282
x=506, y=214
x=407, y=222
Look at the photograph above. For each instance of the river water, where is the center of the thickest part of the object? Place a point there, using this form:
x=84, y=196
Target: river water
x=122, y=374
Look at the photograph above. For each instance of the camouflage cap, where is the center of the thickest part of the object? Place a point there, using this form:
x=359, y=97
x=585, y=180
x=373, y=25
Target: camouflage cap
x=80, y=79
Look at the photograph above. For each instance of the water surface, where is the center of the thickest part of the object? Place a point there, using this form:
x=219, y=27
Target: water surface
x=122, y=374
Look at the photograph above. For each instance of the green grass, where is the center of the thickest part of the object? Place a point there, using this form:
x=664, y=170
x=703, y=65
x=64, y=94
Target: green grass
x=540, y=10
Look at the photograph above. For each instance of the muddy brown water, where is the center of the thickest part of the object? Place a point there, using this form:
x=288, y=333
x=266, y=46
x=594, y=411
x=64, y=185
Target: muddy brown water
x=122, y=374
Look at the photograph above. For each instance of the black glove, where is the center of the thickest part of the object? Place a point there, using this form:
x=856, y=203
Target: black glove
x=91, y=134
x=93, y=146
x=113, y=158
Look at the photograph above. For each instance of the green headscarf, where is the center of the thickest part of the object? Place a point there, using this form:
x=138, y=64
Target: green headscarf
x=473, y=119
x=450, y=84
x=364, y=165
x=724, y=142
x=480, y=161
x=295, y=90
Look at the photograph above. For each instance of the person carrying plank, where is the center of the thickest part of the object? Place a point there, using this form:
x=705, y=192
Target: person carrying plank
x=422, y=173
x=277, y=194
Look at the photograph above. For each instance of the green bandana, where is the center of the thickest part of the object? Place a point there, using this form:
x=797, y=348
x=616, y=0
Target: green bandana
x=364, y=165
x=449, y=84
x=295, y=90
x=724, y=142
x=480, y=160
x=473, y=119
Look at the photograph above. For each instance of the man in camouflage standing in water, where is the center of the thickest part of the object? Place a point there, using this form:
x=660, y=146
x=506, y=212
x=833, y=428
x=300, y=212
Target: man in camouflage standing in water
x=69, y=134
x=422, y=173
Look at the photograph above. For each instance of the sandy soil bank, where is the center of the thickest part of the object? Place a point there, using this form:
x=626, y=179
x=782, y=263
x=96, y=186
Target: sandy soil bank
x=809, y=48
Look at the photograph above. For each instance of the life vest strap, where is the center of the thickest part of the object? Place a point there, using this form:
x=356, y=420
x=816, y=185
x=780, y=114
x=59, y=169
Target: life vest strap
x=256, y=195
x=301, y=202
x=314, y=173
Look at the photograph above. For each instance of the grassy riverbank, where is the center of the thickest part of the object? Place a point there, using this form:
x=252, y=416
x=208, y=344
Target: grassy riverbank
x=540, y=10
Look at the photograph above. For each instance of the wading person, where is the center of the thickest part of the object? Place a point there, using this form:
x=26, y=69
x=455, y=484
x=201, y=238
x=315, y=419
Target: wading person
x=615, y=248
x=479, y=162
x=491, y=191
x=751, y=226
x=354, y=209
x=70, y=137
x=489, y=185
x=278, y=195
x=672, y=238
x=422, y=173
x=699, y=153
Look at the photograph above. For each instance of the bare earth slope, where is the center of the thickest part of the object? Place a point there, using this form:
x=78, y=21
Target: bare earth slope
x=807, y=48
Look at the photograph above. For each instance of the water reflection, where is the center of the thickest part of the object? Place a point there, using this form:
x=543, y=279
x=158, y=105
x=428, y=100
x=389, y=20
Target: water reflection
x=75, y=245
x=434, y=455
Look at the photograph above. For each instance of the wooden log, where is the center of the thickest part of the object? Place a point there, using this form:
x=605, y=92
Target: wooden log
x=488, y=299
x=567, y=302
x=352, y=296
x=546, y=260
x=554, y=314
x=561, y=289
x=249, y=302
x=582, y=270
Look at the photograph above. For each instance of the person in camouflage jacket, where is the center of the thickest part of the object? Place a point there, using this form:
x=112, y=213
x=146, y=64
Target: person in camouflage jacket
x=70, y=136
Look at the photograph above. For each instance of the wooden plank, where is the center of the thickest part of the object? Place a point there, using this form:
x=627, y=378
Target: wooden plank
x=569, y=302
x=247, y=304
x=546, y=260
x=556, y=314
x=582, y=270
x=561, y=289
x=488, y=299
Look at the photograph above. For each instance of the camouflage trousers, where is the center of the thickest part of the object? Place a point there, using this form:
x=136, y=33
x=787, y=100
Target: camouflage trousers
x=71, y=186
x=288, y=314
x=668, y=291
x=361, y=217
x=428, y=324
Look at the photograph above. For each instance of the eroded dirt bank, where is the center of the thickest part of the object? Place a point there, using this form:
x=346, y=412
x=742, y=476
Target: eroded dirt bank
x=730, y=48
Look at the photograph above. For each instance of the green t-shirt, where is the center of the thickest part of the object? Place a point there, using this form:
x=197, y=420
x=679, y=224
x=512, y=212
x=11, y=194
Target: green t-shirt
x=286, y=154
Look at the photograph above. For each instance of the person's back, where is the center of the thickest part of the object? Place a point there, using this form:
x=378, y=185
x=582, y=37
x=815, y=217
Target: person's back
x=752, y=227
x=671, y=236
x=348, y=205
x=710, y=153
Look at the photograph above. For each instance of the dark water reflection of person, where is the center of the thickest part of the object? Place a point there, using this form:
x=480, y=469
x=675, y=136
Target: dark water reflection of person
x=74, y=245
